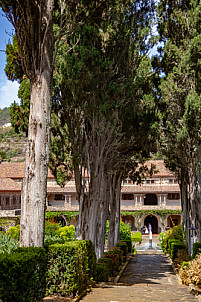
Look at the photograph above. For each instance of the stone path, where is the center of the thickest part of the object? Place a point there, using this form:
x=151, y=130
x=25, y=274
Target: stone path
x=148, y=277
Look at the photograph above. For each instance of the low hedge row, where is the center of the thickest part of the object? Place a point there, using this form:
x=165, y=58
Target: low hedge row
x=23, y=275
x=109, y=264
x=196, y=249
x=175, y=247
x=30, y=273
x=69, y=267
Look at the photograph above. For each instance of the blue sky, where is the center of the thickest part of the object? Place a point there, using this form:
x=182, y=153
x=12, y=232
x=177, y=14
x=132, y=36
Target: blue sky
x=8, y=89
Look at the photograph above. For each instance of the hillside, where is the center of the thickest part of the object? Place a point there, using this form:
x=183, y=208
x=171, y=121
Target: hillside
x=4, y=116
x=12, y=145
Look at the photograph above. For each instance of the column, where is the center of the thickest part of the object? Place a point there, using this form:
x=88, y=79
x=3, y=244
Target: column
x=165, y=199
x=140, y=199
x=160, y=200
x=66, y=201
x=136, y=203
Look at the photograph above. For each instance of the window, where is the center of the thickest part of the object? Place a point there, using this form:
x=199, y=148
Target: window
x=7, y=200
x=59, y=197
x=14, y=199
x=148, y=181
x=173, y=196
x=171, y=181
x=152, y=181
x=127, y=196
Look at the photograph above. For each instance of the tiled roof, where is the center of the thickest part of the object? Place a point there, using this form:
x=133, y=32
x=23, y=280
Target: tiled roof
x=7, y=184
x=151, y=189
x=160, y=166
x=15, y=170
x=69, y=189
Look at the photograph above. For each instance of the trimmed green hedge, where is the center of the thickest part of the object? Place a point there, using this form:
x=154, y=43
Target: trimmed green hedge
x=196, y=249
x=70, y=267
x=102, y=270
x=123, y=246
x=30, y=273
x=175, y=246
x=136, y=237
x=23, y=275
x=129, y=244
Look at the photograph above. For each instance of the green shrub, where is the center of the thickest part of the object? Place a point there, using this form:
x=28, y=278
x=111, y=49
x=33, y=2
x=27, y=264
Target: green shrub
x=14, y=232
x=129, y=244
x=102, y=272
x=123, y=246
x=175, y=247
x=107, y=261
x=117, y=252
x=51, y=228
x=124, y=231
x=136, y=237
x=48, y=239
x=23, y=275
x=67, y=232
x=115, y=260
x=70, y=266
x=196, y=249
x=7, y=243
x=185, y=264
x=174, y=233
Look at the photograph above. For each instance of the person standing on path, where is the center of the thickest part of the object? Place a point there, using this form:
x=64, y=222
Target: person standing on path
x=150, y=228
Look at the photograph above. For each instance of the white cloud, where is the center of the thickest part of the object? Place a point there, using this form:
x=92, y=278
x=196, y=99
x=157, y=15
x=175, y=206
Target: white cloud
x=8, y=93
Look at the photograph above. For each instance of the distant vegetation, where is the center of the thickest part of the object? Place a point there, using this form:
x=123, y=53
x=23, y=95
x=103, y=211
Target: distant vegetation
x=12, y=145
x=4, y=116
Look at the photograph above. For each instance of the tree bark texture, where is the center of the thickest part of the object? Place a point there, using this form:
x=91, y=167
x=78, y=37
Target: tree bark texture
x=37, y=153
x=114, y=209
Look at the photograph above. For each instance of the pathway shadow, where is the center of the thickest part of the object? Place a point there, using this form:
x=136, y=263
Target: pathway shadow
x=148, y=269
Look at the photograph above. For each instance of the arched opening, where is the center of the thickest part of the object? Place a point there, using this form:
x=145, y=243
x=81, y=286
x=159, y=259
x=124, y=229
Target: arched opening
x=150, y=200
x=130, y=220
x=61, y=219
x=153, y=221
x=173, y=220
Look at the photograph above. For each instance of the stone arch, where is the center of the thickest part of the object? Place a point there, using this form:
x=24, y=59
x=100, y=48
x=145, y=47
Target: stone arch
x=173, y=219
x=131, y=220
x=154, y=220
x=150, y=200
x=62, y=219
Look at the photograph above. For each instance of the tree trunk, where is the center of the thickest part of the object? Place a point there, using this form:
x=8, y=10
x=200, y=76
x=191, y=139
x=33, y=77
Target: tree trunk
x=114, y=211
x=37, y=158
x=37, y=153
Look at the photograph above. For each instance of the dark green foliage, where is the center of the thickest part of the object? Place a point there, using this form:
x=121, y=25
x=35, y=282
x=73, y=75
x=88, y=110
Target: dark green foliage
x=103, y=272
x=123, y=246
x=129, y=244
x=115, y=260
x=175, y=247
x=19, y=114
x=23, y=275
x=109, y=263
x=196, y=249
x=176, y=233
x=117, y=252
x=70, y=266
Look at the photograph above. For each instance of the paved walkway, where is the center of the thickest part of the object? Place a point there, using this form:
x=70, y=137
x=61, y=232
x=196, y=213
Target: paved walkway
x=148, y=277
